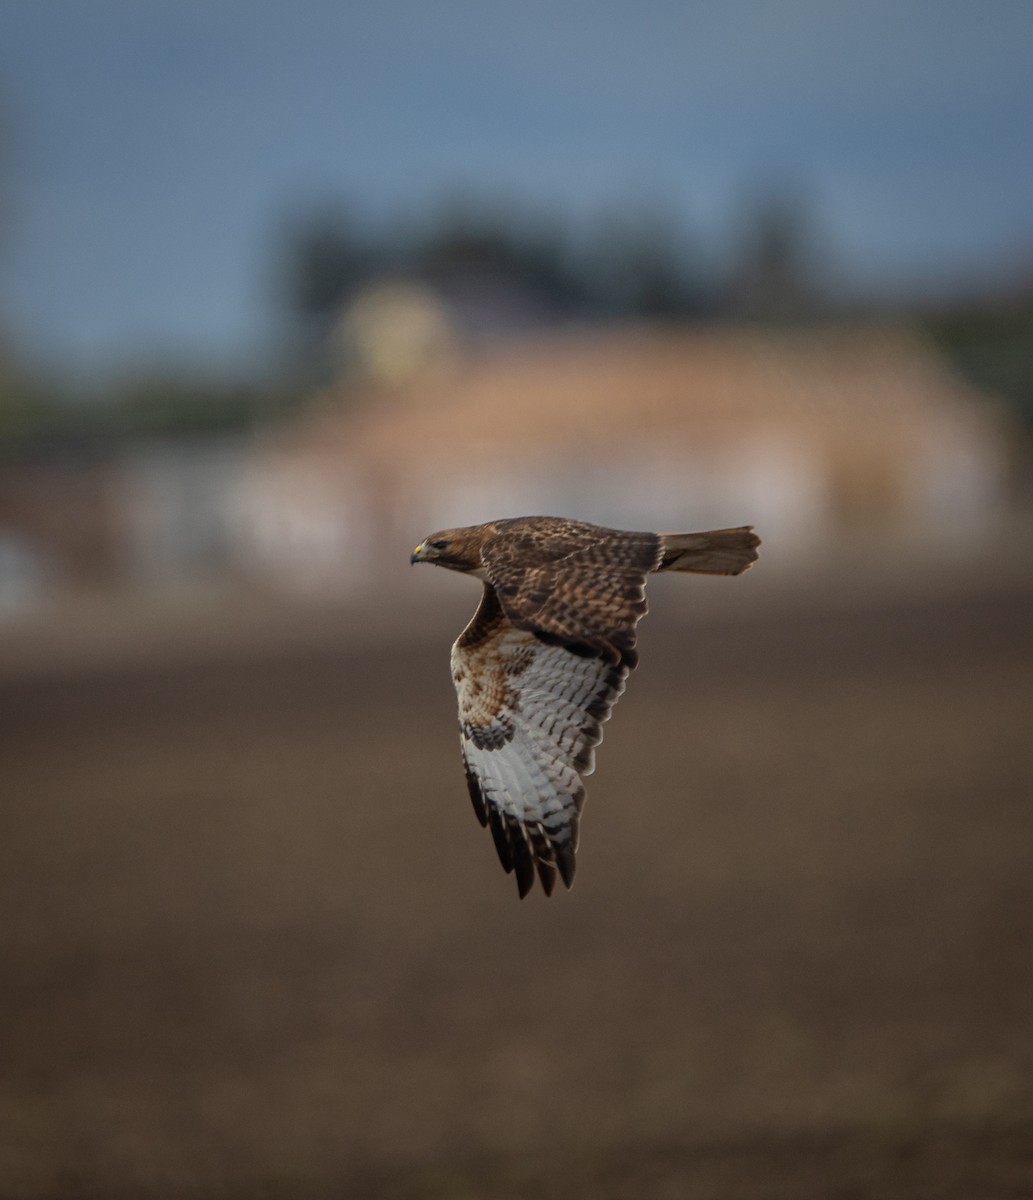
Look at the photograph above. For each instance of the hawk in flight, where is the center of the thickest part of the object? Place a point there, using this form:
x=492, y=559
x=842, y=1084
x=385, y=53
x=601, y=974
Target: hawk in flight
x=544, y=659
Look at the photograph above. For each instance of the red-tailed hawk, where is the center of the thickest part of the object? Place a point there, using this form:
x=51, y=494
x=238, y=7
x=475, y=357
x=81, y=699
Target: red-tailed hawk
x=544, y=659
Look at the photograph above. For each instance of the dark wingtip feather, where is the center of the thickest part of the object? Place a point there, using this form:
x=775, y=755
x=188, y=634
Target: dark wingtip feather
x=566, y=863
x=547, y=874
x=541, y=848
x=500, y=836
x=476, y=795
x=523, y=863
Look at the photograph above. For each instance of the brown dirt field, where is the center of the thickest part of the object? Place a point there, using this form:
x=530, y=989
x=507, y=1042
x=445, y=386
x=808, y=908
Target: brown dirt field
x=255, y=944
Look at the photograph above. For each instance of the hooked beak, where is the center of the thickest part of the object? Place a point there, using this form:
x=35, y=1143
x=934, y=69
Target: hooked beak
x=421, y=553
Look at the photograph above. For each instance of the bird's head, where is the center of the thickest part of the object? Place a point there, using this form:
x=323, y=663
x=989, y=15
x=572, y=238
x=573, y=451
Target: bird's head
x=457, y=549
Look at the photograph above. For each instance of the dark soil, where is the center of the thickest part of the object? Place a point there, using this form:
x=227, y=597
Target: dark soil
x=254, y=943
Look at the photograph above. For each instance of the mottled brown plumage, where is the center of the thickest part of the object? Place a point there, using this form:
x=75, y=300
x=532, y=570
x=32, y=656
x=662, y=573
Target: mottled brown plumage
x=544, y=659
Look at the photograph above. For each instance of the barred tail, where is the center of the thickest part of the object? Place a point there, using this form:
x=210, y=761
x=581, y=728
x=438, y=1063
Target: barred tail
x=716, y=552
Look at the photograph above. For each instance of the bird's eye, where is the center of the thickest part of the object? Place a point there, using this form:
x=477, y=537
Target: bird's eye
x=437, y=544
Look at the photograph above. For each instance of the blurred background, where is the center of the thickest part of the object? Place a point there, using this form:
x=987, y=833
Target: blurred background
x=284, y=288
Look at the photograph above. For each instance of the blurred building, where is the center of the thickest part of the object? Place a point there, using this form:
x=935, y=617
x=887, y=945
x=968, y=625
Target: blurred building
x=828, y=441
x=824, y=438
x=153, y=513
x=56, y=528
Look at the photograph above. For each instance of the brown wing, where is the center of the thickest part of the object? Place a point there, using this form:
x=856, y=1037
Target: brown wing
x=530, y=717
x=572, y=584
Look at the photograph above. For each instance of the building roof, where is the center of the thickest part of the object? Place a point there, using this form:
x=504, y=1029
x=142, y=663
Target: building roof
x=591, y=390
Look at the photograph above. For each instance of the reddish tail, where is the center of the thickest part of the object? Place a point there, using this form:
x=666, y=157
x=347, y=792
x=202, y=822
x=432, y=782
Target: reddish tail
x=716, y=552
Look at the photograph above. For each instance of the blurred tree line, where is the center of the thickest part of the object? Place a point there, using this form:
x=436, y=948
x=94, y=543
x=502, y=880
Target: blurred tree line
x=633, y=265
x=630, y=266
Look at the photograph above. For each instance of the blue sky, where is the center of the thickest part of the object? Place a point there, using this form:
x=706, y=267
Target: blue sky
x=156, y=145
